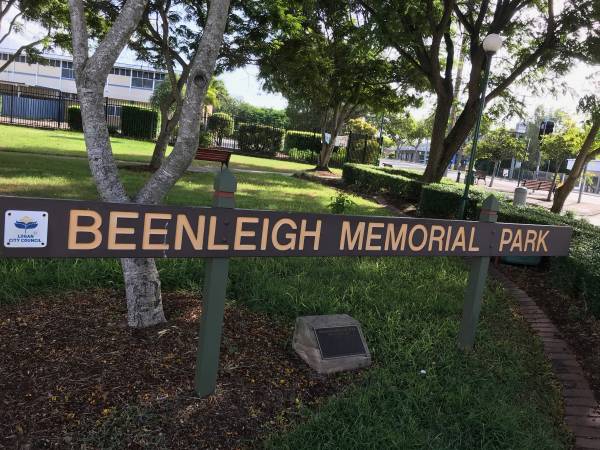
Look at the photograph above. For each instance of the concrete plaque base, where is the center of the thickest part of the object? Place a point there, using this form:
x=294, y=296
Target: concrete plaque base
x=331, y=343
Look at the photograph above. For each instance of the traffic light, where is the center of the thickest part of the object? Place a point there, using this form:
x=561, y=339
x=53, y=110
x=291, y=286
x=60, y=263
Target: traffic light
x=546, y=127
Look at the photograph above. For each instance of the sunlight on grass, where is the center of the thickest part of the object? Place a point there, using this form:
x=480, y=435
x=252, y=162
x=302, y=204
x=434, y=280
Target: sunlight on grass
x=71, y=143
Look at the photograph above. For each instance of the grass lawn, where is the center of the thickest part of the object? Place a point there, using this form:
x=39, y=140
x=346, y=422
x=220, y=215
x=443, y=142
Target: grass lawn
x=501, y=396
x=71, y=143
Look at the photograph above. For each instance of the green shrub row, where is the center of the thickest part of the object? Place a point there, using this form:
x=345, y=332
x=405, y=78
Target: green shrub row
x=302, y=140
x=442, y=200
x=74, y=118
x=260, y=139
x=139, y=123
x=577, y=274
x=369, y=179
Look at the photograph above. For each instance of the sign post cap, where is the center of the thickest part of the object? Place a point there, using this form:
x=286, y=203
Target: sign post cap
x=225, y=181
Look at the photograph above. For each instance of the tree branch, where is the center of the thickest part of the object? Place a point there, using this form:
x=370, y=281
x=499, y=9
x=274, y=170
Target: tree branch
x=532, y=58
x=21, y=49
x=5, y=10
x=104, y=58
x=10, y=26
x=201, y=70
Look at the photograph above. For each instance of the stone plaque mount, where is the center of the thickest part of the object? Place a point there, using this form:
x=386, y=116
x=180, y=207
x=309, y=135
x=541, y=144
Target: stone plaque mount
x=331, y=343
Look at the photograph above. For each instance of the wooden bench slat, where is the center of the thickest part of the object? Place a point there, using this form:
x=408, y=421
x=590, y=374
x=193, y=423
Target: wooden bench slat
x=213, y=154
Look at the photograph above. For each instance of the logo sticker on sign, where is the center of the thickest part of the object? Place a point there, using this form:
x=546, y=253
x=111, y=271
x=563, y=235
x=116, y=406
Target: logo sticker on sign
x=25, y=229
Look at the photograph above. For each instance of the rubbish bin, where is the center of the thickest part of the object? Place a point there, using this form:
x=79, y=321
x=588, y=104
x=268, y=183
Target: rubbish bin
x=520, y=197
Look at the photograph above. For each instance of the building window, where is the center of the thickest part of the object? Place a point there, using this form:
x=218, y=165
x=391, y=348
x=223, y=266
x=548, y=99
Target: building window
x=158, y=79
x=67, y=70
x=4, y=56
x=119, y=71
x=140, y=79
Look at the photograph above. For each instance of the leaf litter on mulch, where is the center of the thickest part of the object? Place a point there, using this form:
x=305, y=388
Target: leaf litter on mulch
x=73, y=375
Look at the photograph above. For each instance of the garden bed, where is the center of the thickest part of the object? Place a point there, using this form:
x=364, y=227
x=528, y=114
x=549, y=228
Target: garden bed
x=73, y=374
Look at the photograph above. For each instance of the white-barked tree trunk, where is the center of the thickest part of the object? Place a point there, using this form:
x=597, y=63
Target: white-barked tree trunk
x=142, y=282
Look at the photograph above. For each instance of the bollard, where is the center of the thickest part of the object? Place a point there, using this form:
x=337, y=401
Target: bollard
x=215, y=284
x=476, y=283
x=520, y=197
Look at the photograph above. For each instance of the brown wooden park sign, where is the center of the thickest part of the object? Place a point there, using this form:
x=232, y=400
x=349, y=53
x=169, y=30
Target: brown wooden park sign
x=50, y=228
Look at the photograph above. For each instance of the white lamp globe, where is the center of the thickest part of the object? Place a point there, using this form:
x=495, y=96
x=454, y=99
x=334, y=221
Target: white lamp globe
x=492, y=43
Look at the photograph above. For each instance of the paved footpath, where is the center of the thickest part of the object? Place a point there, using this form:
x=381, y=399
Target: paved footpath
x=582, y=411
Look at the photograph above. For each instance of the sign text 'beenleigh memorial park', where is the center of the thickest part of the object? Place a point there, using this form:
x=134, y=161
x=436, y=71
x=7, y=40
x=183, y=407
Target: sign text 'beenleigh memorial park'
x=67, y=228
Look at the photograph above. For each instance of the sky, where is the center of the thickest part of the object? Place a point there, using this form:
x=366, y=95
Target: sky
x=244, y=83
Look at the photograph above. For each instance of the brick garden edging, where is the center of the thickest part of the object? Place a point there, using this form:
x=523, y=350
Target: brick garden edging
x=582, y=411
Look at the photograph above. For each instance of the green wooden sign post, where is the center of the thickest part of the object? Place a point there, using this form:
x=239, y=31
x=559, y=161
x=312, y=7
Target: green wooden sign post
x=476, y=283
x=216, y=274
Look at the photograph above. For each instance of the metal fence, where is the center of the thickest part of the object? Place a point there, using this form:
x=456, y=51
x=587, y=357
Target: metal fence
x=46, y=108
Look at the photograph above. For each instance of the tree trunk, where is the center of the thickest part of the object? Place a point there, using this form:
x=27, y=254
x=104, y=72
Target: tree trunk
x=456, y=93
x=435, y=165
x=583, y=157
x=142, y=289
x=339, y=117
x=160, y=147
x=142, y=286
x=496, y=164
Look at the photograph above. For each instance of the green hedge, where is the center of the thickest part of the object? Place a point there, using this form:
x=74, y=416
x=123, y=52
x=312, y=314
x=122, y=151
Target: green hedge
x=74, y=118
x=369, y=179
x=302, y=140
x=442, y=200
x=140, y=123
x=220, y=125
x=364, y=151
x=263, y=139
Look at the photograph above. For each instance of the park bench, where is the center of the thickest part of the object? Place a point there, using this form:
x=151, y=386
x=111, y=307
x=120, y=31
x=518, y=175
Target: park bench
x=480, y=175
x=538, y=185
x=216, y=154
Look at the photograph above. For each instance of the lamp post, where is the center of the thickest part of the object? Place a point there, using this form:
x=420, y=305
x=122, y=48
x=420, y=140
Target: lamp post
x=491, y=44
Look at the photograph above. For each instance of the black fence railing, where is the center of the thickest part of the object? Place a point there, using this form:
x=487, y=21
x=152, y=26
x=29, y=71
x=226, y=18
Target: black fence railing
x=46, y=108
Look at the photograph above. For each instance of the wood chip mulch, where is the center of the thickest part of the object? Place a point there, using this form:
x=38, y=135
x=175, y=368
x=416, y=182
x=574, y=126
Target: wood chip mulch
x=72, y=375
x=578, y=327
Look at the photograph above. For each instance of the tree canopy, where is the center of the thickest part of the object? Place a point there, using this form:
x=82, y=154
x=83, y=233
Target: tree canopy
x=325, y=59
x=538, y=39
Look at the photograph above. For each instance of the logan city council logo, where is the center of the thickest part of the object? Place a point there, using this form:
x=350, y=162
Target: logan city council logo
x=26, y=223
x=25, y=229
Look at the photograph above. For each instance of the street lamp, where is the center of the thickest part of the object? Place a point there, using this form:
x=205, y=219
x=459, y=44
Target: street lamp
x=491, y=44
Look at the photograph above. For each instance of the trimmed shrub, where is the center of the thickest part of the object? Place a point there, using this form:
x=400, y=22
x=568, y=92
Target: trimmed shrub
x=205, y=139
x=253, y=138
x=369, y=179
x=220, y=125
x=302, y=140
x=442, y=201
x=408, y=173
x=365, y=151
x=74, y=118
x=140, y=123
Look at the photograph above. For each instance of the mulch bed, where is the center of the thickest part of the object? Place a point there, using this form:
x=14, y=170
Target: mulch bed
x=72, y=375
x=578, y=327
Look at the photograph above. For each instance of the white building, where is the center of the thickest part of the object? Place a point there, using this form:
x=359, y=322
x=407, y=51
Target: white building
x=125, y=82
